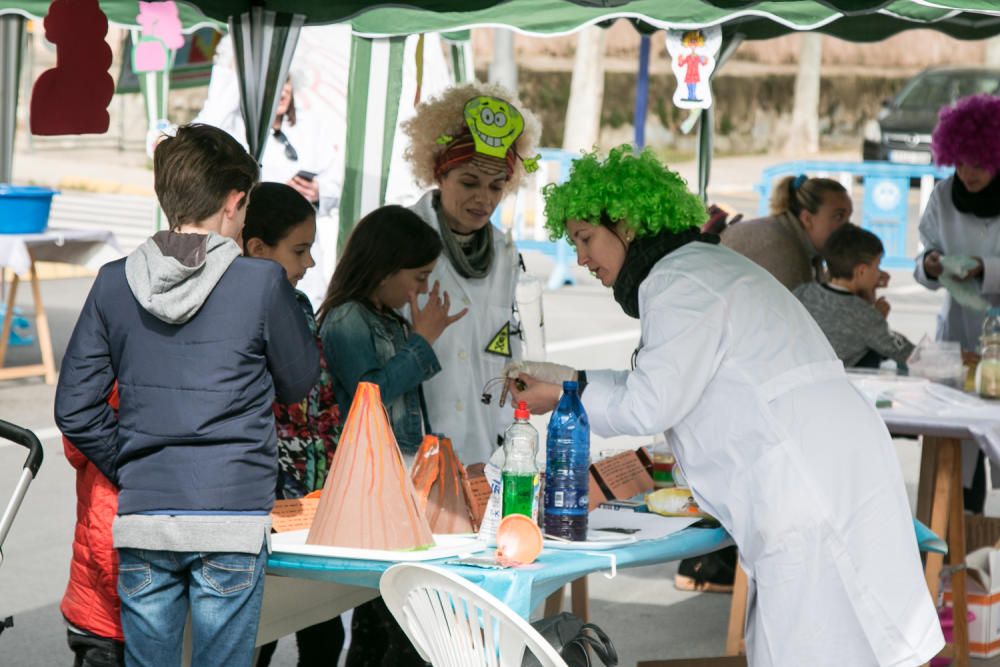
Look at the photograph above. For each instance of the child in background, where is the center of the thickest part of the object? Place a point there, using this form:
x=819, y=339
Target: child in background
x=90, y=604
x=281, y=226
x=856, y=328
x=385, y=265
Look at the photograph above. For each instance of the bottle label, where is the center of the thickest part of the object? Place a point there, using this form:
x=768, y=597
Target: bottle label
x=566, y=500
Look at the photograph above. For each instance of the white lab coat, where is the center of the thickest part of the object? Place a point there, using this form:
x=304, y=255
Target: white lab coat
x=453, y=395
x=780, y=447
x=945, y=229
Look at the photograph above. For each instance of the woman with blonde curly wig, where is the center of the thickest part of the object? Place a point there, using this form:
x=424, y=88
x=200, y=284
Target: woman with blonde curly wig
x=461, y=149
x=775, y=441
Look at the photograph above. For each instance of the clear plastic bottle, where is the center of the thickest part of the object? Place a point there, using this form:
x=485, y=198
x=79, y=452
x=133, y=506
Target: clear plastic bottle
x=520, y=472
x=567, y=468
x=988, y=369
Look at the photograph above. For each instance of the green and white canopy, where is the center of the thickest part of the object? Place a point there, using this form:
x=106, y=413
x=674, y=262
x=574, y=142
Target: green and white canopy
x=379, y=26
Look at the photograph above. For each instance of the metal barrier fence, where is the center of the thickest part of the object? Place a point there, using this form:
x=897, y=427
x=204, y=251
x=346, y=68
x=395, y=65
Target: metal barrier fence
x=886, y=189
x=523, y=213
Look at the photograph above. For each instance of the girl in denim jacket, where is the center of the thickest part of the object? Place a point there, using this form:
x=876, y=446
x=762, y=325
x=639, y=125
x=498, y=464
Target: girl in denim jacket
x=385, y=265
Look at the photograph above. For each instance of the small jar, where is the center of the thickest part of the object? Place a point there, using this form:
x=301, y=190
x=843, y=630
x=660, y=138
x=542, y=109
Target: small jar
x=988, y=369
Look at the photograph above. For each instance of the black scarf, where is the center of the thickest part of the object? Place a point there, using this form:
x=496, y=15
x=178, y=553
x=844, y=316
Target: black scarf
x=642, y=254
x=982, y=204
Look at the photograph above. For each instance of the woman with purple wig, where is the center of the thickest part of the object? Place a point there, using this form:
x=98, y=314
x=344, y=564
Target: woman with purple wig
x=960, y=235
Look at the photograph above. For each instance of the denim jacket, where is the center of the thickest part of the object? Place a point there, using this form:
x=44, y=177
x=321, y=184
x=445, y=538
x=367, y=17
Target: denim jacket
x=363, y=345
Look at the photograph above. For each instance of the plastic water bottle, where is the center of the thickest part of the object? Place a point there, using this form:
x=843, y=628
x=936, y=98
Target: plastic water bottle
x=520, y=473
x=567, y=468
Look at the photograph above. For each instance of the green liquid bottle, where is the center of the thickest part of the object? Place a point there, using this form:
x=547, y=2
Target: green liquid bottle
x=519, y=475
x=519, y=493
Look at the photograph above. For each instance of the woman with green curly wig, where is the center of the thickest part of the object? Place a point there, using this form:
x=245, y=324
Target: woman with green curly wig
x=775, y=441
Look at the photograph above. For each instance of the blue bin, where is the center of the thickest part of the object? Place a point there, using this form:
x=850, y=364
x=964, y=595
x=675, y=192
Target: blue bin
x=24, y=209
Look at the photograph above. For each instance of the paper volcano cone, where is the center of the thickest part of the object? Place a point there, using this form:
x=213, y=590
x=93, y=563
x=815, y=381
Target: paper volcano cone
x=368, y=500
x=442, y=487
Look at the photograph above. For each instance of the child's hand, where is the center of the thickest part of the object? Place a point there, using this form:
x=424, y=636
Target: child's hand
x=882, y=306
x=932, y=264
x=434, y=318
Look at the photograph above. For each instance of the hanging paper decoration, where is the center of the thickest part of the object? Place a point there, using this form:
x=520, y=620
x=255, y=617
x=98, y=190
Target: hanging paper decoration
x=161, y=35
x=152, y=59
x=368, y=501
x=443, y=487
x=73, y=96
x=692, y=54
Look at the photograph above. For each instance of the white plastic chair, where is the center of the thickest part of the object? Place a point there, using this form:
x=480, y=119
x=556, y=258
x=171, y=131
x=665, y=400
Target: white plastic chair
x=454, y=623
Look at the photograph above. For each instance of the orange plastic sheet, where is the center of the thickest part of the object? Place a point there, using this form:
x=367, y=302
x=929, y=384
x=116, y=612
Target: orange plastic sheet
x=368, y=501
x=442, y=487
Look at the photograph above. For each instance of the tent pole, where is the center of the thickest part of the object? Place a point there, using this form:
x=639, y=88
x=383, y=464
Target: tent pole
x=373, y=91
x=11, y=42
x=642, y=93
x=706, y=124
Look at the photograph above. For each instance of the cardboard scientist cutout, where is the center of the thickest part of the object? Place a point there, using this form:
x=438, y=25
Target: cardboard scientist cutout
x=368, y=501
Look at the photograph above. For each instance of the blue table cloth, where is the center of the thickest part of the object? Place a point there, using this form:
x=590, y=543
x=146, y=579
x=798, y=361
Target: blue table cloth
x=522, y=588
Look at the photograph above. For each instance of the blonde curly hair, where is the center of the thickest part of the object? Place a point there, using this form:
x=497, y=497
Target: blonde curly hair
x=444, y=115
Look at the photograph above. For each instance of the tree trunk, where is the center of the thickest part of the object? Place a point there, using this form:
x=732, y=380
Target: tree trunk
x=503, y=69
x=803, y=137
x=992, y=52
x=586, y=94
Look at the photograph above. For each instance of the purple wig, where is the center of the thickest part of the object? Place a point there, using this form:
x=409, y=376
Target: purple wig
x=969, y=133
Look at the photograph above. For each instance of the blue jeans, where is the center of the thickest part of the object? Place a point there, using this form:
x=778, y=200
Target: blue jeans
x=223, y=590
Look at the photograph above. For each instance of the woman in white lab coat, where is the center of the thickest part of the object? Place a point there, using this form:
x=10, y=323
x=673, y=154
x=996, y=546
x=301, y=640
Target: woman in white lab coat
x=774, y=440
x=471, y=145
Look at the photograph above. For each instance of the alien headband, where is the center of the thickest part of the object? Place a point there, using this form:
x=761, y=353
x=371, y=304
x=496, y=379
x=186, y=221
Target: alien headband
x=494, y=126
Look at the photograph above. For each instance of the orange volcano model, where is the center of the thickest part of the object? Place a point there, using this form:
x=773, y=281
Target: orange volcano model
x=442, y=487
x=368, y=501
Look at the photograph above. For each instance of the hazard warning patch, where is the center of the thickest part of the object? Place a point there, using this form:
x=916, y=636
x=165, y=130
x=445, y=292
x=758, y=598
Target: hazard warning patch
x=500, y=343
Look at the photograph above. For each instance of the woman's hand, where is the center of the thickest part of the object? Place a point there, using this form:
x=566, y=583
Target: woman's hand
x=434, y=318
x=544, y=371
x=539, y=396
x=932, y=264
x=307, y=189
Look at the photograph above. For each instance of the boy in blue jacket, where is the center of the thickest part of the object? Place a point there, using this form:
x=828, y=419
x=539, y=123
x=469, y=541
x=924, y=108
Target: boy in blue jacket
x=201, y=341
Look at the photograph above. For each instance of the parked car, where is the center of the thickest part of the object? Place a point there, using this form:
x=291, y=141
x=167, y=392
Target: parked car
x=902, y=131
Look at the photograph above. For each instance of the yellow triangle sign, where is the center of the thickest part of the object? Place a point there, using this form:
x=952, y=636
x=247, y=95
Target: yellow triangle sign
x=501, y=341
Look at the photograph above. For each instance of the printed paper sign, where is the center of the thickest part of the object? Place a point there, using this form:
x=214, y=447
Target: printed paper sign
x=693, y=54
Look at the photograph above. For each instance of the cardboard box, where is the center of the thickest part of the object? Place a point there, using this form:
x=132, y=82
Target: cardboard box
x=622, y=476
x=982, y=595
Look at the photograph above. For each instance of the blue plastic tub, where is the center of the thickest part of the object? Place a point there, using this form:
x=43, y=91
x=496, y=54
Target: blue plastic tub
x=24, y=209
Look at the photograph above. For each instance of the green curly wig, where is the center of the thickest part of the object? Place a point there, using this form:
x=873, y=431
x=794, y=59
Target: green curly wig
x=636, y=188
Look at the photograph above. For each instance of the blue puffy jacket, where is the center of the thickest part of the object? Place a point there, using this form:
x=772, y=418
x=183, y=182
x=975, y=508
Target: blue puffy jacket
x=201, y=341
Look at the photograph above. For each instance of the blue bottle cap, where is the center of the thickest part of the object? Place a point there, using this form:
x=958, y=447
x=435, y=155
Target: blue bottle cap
x=570, y=385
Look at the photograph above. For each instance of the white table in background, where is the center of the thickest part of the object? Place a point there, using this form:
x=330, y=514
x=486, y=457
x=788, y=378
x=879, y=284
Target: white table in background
x=19, y=252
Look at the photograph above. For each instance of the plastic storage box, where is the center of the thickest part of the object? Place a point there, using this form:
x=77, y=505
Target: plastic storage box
x=24, y=209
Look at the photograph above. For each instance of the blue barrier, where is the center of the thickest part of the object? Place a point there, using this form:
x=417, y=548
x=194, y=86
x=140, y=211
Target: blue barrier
x=886, y=196
x=522, y=212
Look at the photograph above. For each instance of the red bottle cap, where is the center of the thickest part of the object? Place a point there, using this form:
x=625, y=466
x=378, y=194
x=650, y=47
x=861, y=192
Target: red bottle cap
x=521, y=411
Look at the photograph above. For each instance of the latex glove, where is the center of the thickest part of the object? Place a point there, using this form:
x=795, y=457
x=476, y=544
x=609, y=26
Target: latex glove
x=960, y=266
x=540, y=370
